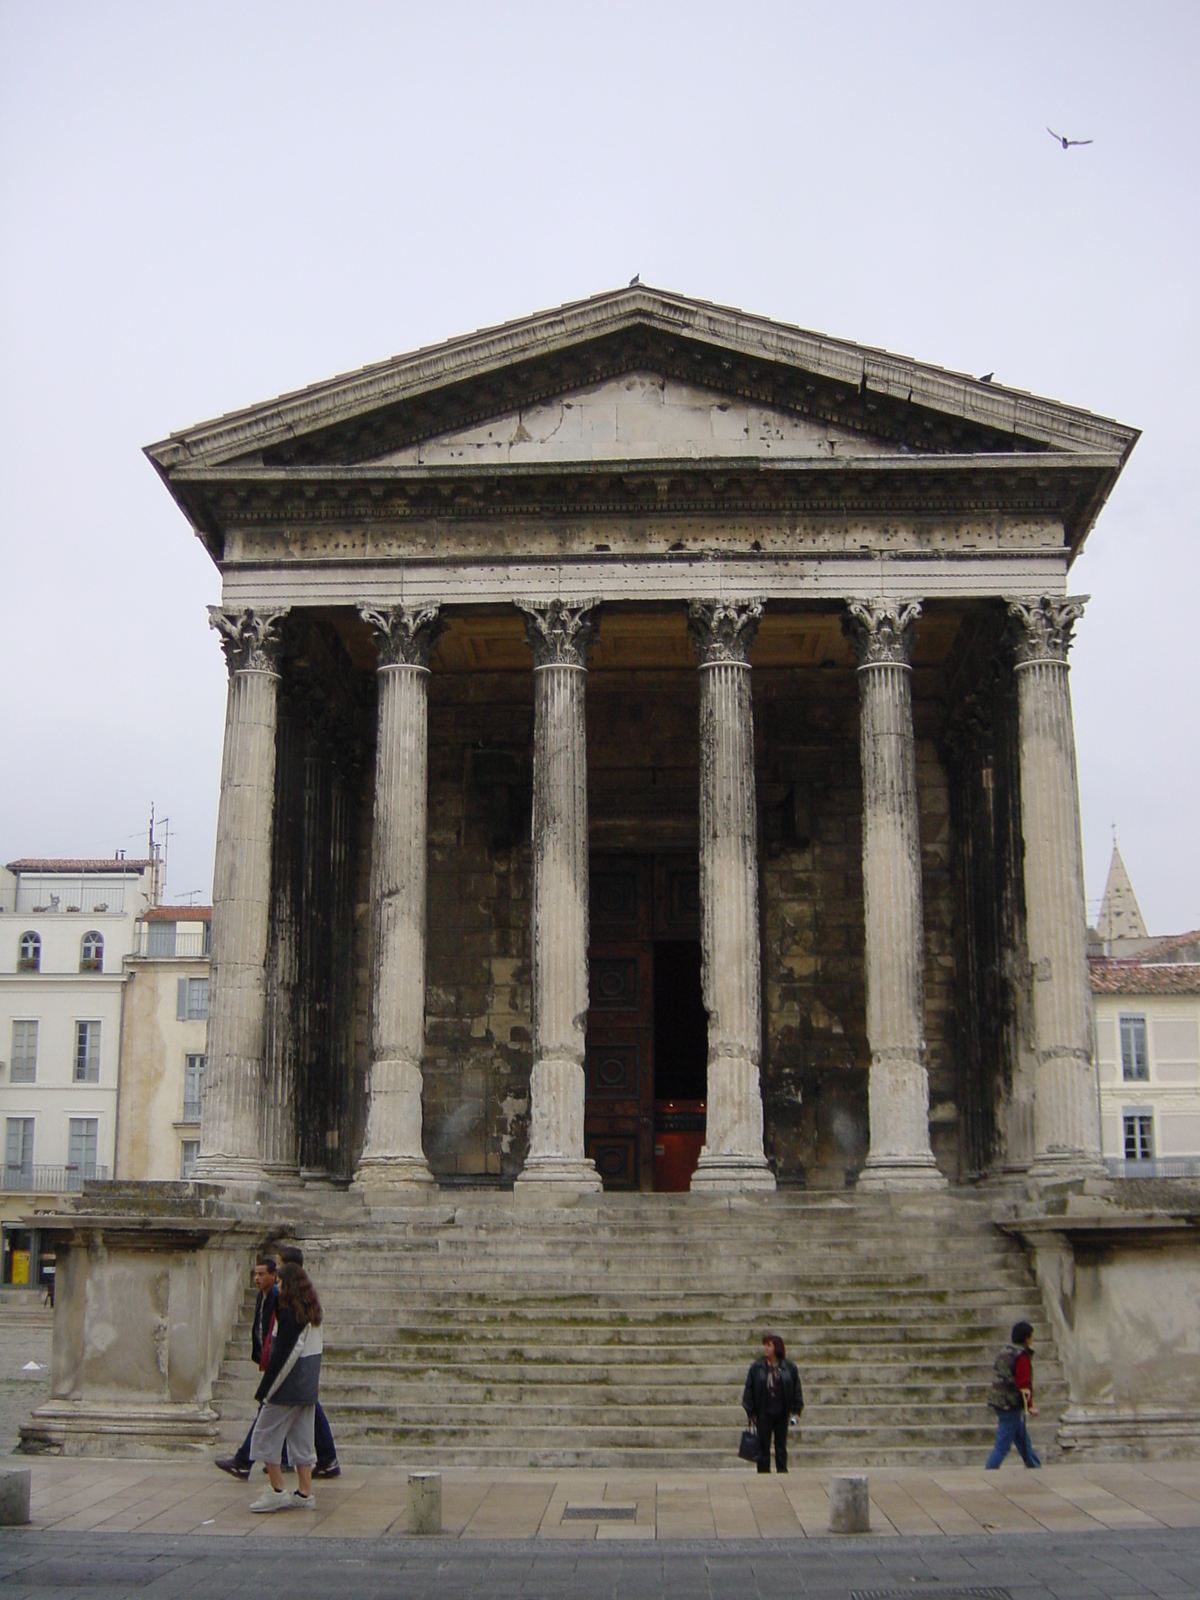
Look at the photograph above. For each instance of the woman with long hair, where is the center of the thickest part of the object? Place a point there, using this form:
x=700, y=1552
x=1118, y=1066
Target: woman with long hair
x=288, y=1393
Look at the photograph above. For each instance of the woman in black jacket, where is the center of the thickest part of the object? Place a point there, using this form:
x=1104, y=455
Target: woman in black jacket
x=772, y=1396
x=288, y=1393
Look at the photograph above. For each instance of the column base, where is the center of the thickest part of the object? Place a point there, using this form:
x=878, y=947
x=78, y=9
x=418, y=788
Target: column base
x=1066, y=1166
x=903, y=1173
x=394, y=1180
x=727, y=1173
x=556, y=1180
x=232, y=1172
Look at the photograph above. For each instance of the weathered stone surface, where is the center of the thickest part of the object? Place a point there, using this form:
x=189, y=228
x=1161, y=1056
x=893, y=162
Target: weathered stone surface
x=732, y=1157
x=393, y=1155
x=559, y=635
x=1066, y=1118
x=230, y=1134
x=900, y=1153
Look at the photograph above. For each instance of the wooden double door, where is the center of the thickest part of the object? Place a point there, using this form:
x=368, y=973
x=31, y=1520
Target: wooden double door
x=637, y=904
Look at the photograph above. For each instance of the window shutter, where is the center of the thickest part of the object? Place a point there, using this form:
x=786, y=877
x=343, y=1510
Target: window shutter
x=181, y=1000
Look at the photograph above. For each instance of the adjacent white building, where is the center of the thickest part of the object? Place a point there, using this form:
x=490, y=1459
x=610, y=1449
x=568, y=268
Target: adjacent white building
x=1146, y=998
x=66, y=927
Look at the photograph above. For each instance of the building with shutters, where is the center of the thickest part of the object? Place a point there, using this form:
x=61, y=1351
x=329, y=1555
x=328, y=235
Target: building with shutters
x=162, y=1044
x=66, y=927
x=1146, y=996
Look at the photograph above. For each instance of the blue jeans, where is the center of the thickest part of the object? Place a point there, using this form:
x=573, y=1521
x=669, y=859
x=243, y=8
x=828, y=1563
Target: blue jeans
x=1010, y=1430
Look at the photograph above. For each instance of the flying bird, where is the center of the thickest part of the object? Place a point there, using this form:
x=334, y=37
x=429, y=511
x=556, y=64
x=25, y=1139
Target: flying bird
x=637, y=278
x=1063, y=140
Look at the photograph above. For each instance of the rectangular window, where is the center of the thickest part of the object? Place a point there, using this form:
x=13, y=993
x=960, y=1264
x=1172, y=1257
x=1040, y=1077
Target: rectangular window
x=197, y=1008
x=1135, y=1058
x=18, y=1153
x=1139, y=1136
x=189, y=1149
x=160, y=939
x=193, y=1087
x=87, y=1052
x=23, y=1068
x=81, y=1156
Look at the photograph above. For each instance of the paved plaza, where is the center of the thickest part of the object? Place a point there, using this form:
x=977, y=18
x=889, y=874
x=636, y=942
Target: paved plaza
x=109, y=1528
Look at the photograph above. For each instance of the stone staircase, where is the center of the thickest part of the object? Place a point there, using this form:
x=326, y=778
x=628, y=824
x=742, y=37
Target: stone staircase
x=477, y=1332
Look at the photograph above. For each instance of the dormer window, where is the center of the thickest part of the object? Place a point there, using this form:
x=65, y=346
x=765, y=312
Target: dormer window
x=29, y=958
x=91, y=953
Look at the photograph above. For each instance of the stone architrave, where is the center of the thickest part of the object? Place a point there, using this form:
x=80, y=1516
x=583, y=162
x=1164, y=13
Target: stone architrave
x=393, y=1158
x=560, y=635
x=900, y=1155
x=231, y=1114
x=732, y=1157
x=1066, y=1116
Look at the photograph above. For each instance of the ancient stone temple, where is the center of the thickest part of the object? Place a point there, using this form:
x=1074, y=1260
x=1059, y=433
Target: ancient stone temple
x=648, y=763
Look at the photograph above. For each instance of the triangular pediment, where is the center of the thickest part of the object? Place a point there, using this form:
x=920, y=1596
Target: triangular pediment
x=639, y=416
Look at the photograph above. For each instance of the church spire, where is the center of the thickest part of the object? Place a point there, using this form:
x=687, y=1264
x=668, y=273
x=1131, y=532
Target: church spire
x=1120, y=916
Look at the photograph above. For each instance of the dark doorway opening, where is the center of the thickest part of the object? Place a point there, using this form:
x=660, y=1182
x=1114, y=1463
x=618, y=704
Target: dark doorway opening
x=680, y=1025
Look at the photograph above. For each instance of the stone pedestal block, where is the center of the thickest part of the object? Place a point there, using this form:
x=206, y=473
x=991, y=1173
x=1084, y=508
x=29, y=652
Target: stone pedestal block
x=231, y=1118
x=900, y=1154
x=850, y=1504
x=732, y=1158
x=14, y=1498
x=560, y=635
x=424, y=1502
x=1066, y=1116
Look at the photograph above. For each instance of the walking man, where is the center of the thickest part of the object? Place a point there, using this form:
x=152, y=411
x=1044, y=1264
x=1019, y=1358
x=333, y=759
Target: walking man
x=261, y=1332
x=1012, y=1398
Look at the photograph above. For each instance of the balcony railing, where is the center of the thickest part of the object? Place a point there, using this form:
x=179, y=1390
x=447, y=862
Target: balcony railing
x=1159, y=1167
x=50, y=1180
x=64, y=894
x=163, y=941
x=191, y=1111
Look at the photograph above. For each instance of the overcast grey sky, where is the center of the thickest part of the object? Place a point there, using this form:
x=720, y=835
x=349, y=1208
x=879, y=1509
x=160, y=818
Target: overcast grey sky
x=204, y=205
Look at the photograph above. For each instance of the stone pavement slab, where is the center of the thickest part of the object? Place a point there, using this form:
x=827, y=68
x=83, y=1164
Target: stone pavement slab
x=170, y=1498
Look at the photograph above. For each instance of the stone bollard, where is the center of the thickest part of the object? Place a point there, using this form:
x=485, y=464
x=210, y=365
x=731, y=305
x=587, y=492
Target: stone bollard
x=14, y=1498
x=424, y=1502
x=849, y=1505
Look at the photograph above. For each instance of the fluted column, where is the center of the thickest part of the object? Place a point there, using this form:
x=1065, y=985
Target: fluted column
x=231, y=1115
x=560, y=635
x=393, y=1159
x=1066, y=1117
x=900, y=1154
x=732, y=1157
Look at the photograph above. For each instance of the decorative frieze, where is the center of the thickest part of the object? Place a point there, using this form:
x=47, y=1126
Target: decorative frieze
x=732, y=1157
x=1066, y=1118
x=898, y=1092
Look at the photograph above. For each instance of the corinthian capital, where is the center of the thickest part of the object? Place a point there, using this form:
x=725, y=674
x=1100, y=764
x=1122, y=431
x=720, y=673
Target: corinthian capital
x=881, y=630
x=250, y=639
x=1042, y=628
x=404, y=635
x=560, y=631
x=724, y=630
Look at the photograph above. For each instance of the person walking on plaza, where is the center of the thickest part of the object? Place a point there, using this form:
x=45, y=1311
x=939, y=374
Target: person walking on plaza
x=263, y=1326
x=327, y=1459
x=1012, y=1398
x=288, y=1393
x=771, y=1398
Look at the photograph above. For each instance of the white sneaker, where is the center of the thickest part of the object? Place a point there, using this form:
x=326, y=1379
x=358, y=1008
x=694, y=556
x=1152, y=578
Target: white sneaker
x=304, y=1502
x=273, y=1500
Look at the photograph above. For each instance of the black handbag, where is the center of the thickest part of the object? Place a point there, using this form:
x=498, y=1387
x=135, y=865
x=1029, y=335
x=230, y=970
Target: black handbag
x=748, y=1446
